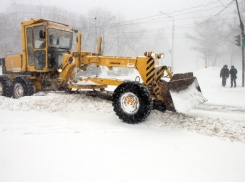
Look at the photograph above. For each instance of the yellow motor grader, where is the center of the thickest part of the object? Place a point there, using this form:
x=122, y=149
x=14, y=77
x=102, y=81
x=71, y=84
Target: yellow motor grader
x=48, y=63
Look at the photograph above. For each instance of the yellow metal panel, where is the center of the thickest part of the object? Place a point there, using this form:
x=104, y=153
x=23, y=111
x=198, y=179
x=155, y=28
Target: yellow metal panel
x=66, y=73
x=145, y=66
x=14, y=63
x=110, y=61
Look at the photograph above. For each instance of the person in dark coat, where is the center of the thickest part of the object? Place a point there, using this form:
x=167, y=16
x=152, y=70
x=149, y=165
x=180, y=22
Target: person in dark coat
x=233, y=72
x=224, y=74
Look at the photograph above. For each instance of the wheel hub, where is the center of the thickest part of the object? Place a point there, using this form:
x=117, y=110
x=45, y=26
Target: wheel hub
x=19, y=90
x=129, y=103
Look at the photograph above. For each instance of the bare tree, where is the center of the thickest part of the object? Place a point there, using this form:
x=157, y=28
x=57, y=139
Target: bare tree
x=208, y=39
x=231, y=50
x=119, y=38
x=99, y=23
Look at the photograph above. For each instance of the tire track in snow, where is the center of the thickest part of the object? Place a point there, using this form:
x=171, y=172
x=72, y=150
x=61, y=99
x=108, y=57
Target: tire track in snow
x=222, y=108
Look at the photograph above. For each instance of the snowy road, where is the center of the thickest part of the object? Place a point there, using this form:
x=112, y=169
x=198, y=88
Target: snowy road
x=82, y=140
x=74, y=137
x=231, y=113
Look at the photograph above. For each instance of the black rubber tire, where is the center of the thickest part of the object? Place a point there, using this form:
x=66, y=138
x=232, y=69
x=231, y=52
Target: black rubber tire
x=22, y=83
x=29, y=86
x=7, y=86
x=144, y=98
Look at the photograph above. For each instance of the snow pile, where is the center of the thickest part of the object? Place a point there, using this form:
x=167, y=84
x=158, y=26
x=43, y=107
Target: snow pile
x=225, y=129
x=81, y=104
x=186, y=100
x=56, y=102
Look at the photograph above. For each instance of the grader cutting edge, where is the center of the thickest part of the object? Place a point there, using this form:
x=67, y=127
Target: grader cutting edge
x=47, y=63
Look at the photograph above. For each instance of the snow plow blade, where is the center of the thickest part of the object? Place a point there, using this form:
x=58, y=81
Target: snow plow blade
x=184, y=93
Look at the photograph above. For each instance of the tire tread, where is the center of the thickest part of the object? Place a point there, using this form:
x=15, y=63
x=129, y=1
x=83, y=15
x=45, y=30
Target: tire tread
x=7, y=86
x=146, y=103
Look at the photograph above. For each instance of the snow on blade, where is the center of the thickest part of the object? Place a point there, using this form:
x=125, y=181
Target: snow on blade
x=187, y=99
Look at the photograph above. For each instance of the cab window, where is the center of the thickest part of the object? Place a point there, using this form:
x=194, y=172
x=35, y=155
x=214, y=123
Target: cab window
x=30, y=46
x=40, y=56
x=39, y=37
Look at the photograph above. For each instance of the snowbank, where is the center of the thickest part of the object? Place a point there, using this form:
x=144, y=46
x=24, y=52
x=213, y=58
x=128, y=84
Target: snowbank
x=80, y=104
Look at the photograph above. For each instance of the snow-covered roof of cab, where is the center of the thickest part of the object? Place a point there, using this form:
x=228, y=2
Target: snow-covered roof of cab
x=49, y=23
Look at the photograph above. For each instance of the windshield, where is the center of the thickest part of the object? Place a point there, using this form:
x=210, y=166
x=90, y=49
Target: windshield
x=59, y=38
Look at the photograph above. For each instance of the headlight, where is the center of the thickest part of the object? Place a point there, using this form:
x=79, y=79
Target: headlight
x=159, y=56
x=59, y=70
x=149, y=54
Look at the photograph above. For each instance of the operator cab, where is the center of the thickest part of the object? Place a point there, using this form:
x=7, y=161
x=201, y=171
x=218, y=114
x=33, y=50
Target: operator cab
x=46, y=45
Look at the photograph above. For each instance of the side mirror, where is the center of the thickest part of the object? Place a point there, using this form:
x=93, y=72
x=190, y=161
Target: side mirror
x=42, y=34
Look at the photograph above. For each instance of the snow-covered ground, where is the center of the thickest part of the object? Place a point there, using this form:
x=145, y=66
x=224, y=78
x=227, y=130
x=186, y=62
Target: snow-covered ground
x=74, y=137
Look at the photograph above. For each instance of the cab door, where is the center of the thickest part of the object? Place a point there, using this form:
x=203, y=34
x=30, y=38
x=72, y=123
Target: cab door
x=30, y=47
x=39, y=36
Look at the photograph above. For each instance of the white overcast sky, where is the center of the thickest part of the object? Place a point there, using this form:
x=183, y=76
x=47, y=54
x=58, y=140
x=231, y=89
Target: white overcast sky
x=184, y=13
x=134, y=8
x=185, y=10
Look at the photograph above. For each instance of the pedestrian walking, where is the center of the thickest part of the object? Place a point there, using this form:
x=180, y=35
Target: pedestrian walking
x=233, y=72
x=224, y=74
